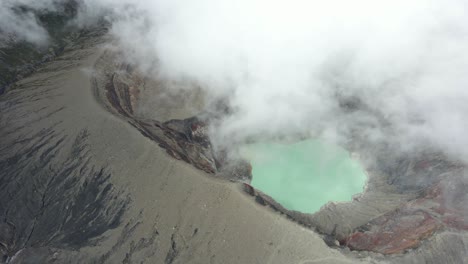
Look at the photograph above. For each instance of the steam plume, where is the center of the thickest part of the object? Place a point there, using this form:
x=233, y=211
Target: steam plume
x=395, y=70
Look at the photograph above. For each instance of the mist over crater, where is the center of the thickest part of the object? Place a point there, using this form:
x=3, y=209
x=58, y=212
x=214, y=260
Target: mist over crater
x=174, y=128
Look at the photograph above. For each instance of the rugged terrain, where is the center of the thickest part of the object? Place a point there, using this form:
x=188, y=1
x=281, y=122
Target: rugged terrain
x=83, y=183
x=88, y=176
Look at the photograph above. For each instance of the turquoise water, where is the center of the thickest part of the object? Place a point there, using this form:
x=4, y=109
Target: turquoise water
x=305, y=175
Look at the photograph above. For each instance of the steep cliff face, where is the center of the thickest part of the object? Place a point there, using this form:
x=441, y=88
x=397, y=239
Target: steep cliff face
x=118, y=88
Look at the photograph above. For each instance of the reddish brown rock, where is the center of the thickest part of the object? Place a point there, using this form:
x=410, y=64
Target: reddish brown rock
x=248, y=189
x=449, y=200
x=441, y=206
x=394, y=232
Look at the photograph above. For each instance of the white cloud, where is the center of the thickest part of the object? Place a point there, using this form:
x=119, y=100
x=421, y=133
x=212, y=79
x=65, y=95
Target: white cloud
x=283, y=63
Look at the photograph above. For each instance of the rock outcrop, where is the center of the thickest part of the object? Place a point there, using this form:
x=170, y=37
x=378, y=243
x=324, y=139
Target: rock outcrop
x=188, y=140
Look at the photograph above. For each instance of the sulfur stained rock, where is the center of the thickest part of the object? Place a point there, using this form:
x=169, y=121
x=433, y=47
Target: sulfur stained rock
x=441, y=207
x=394, y=232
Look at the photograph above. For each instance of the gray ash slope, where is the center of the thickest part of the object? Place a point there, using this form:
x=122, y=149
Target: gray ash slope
x=51, y=190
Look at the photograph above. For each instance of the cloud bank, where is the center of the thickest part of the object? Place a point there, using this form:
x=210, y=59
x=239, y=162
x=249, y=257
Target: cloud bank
x=392, y=70
x=15, y=24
